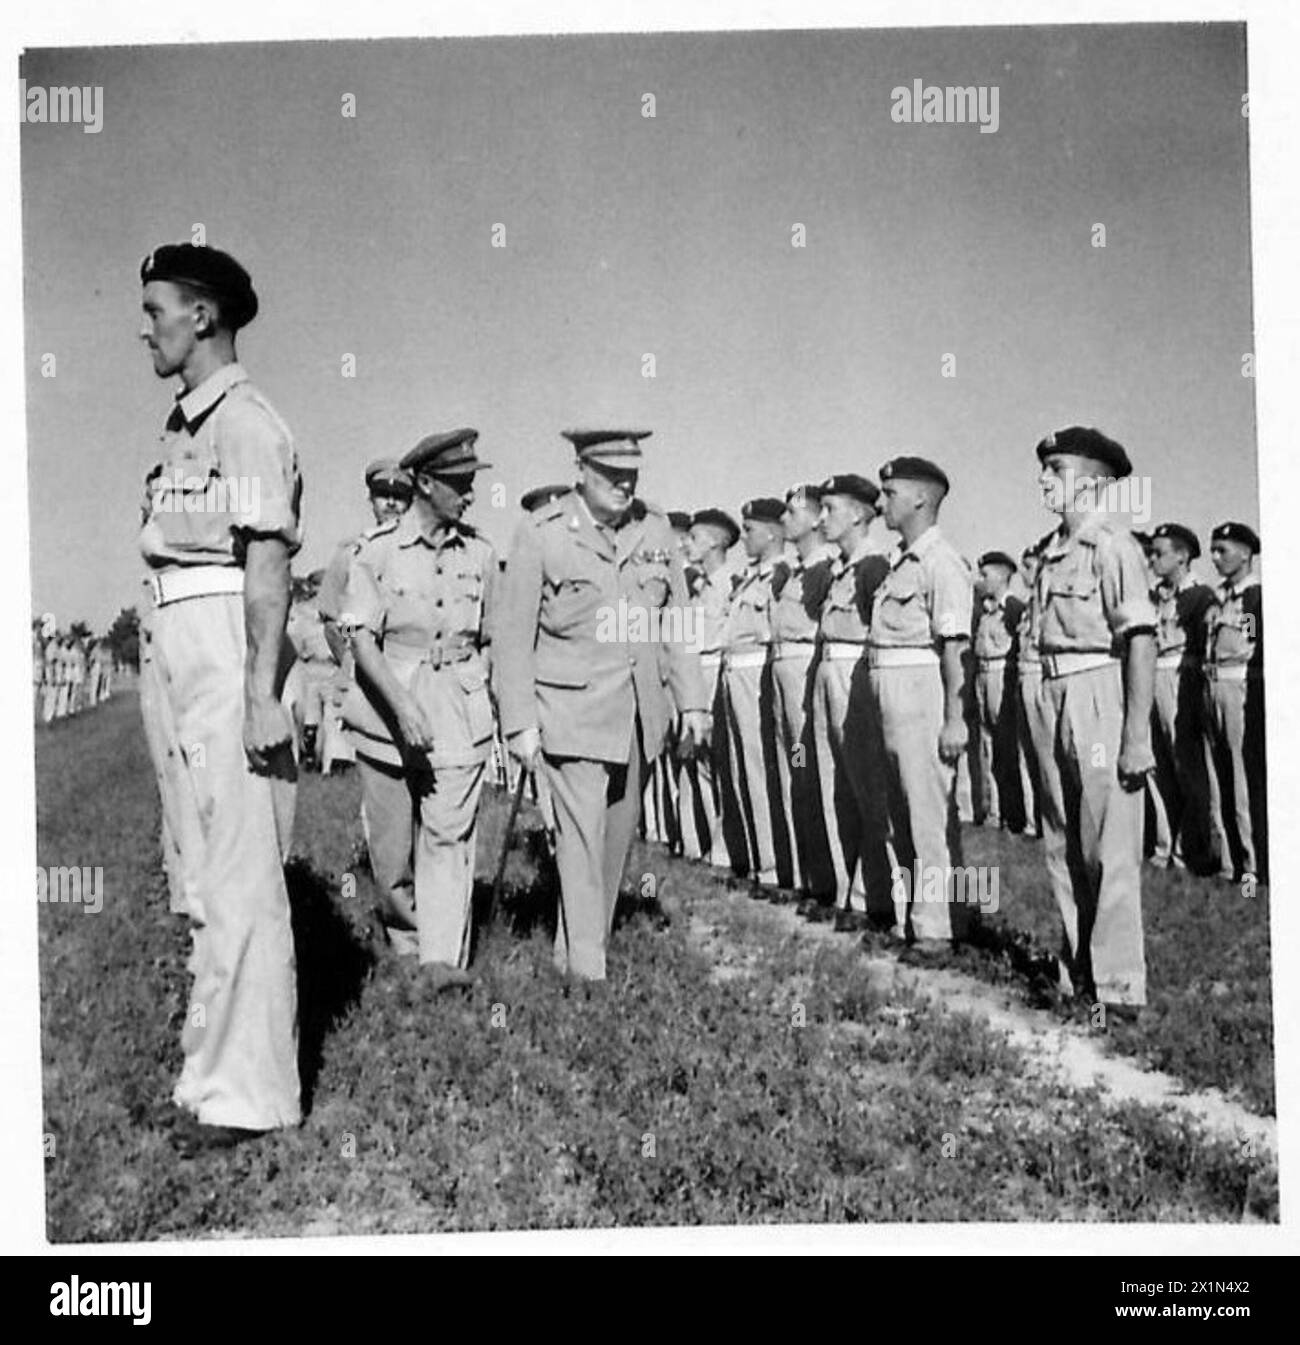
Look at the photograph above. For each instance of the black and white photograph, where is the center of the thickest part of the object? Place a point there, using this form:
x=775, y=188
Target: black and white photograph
x=649, y=630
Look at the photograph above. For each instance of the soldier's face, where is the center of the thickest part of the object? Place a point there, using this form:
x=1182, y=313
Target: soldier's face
x=609, y=491
x=168, y=328
x=899, y=501
x=1163, y=557
x=447, y=496
x=994, y=580
x=385, y=507
x=801, y=517
x=1028, y=572
x=1230, y=558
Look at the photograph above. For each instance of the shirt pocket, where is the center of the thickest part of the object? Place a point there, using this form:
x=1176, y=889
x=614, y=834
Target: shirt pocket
x=478, y=704
x=899, y=610
x=188, y=502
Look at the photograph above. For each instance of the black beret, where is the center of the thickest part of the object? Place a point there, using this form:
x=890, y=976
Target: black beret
x=450, y=454
x=851, y=484
x=810, y=491
x=999, y=558
x=1183, y=536
x=1087, y=443
x=719, y=518
x=1143, y=539
x=209, y=269
x=680, y=520
x=913, y=469
x=1236, y=532
x=765, y=509
x=540, y=495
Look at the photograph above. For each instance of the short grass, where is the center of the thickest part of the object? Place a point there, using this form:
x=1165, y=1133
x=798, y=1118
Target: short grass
x=771, y=1080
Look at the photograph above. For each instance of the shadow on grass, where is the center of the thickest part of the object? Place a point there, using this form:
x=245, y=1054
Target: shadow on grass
x=332, y=965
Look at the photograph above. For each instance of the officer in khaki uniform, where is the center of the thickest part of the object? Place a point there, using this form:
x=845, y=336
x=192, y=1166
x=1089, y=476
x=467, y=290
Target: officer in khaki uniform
x=846, y=728
x=1097, y=644
x=1032, y=723
x=799, y=588
x=704, y=784
x=997, y=620
x=418, y=608
x=213, y=663
x=919, y=625
x=577, y=669
x=1234, y=672
x=1182, y=774
x=748, y=697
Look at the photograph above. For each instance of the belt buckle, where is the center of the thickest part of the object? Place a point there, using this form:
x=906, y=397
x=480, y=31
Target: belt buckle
x=155, y=588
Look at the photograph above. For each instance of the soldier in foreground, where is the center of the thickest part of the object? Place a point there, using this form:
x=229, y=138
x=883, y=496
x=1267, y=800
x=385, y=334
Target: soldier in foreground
x=579, y=694
x=213, y=662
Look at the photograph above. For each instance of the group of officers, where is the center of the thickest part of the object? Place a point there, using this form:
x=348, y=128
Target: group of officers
x=69, y=674
x=798, y=719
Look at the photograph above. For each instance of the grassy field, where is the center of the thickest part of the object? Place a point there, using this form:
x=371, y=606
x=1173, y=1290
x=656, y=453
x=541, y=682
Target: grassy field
x=752, y=1076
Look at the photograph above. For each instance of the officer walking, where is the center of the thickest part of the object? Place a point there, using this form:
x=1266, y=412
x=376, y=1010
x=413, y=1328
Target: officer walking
x=919, y=624
x=1234, y=670
x=799, y=588
x=1097, y=642
x=213, y=661
x=578, y=691
x=418, y=607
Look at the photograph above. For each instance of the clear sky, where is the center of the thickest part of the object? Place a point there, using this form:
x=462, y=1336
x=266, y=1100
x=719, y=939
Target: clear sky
x=671, y=236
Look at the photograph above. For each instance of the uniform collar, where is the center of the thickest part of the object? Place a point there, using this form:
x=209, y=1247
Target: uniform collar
x=411, y=529
x=1166, y=591
x=1231, y=587
x=992, y=604
x=196, y=403
x=919, y=547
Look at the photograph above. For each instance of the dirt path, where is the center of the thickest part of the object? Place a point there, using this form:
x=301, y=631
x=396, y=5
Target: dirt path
x=1052, y=1049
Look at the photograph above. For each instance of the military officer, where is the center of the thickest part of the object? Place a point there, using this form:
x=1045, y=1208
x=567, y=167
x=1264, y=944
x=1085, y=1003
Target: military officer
x=704, y=783
x=919, y=624
x=579, y=690
x=1182, y=774
x=418, y=610
x=1097, y=643
x=846, y=729
x=748, y=697
x=799, y=588
x=1031, y=717
x=213, y=662
x=998, y=613
x=1234, y=671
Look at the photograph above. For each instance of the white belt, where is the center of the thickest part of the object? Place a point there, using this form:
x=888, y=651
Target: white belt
x=992, y=661
x=193, y=581
x=1174, y=660
x=710, y=660
x=747, y=658
x=838, y=649
x=901, y=657
x=1034, y=669
x=793, y=649
x=1226, y=672
x=1064, y=664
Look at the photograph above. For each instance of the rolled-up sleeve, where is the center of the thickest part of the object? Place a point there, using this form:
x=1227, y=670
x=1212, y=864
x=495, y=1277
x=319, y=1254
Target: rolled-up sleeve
x=362, y=606
x=950, y=597
x=1125, y=588
x=260, y=467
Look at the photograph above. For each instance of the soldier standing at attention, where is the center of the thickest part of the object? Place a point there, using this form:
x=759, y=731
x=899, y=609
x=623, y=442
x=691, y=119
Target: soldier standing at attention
x=1182, y=774
x=418, y=608
x=213, y=662
x=1234, y=671
x=798, y=590
x=998, y=613
x=850, y=754
x=578, y=690
x=705, y=786
x=1031, y=719
x=1097, y=641
x=919, y=625
x=747, y=693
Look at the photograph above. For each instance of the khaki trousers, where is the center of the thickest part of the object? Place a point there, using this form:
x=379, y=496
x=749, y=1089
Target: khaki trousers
x=851, y=771
x=751, y=725
x=922, y=793
x=1092, y=835
x=1183, y=765
x=240, y=1038
x=796, y=758
x=596, y=805
x=1235, y=714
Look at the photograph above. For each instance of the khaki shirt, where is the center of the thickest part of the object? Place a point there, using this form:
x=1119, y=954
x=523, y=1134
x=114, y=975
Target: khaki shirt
x=1092, y=589
x=1181, y=618
x=427, y=598
x=1234, y=625
x=799, y=588
x=228, y=471
x=854, y=580
x=996, y=626
x=712, y=602
x=749, y=618
x=925, y=598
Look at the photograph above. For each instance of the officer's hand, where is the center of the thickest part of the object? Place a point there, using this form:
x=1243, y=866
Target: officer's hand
x=268, y=735
x=413, y=724
x=525, y=746
x=1136, y=762
x=697, y=729
x=953, y=738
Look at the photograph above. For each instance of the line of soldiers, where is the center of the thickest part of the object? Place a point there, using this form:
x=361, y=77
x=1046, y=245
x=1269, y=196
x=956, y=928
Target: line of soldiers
x=800, y=719
x=69, y=675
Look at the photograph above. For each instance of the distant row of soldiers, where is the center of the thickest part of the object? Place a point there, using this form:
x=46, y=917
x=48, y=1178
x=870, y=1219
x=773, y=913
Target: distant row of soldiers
x=69, y=675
